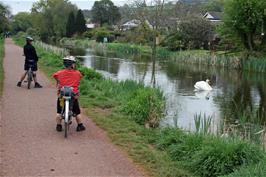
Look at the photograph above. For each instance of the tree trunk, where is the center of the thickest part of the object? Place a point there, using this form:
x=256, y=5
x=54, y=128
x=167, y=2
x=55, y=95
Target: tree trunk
x=263, y=40
x=153, y=59
x=250, y=42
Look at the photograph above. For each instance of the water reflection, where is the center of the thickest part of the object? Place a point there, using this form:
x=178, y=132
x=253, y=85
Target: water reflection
x=233, y=92
x=243, y=93
x=76, y=51
x=203, y=94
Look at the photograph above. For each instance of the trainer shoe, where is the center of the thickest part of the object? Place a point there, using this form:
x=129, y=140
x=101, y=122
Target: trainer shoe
x=80, y=127
x=37, y=85
x=59, y=127
x=19, y=84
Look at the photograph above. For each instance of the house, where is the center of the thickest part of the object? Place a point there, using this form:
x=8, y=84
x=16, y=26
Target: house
x=131, y=24
x=213, y=16
x=90, y=25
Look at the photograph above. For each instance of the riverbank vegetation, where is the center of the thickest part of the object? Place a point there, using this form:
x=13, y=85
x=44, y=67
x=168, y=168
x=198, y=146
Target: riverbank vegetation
x=199, y=57
x=124, y=108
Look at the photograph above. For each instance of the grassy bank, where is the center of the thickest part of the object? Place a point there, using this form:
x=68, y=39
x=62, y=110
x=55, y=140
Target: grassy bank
x=2, y=53
x=258, y=170
x=123, y=108
x=200, y=57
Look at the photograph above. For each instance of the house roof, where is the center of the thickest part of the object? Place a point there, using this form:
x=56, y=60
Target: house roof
x=132, y=23
x=90, y=25
x=213, y=15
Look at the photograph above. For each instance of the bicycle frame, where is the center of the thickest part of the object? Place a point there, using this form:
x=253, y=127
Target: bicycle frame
x=66, y=114
x=30, y=73
x=66, y=93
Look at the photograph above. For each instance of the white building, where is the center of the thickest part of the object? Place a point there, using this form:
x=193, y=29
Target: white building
x=213, y=16
x=90, y=26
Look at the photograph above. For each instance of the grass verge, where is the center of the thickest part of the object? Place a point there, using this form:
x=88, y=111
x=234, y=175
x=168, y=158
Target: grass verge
x=161, y=151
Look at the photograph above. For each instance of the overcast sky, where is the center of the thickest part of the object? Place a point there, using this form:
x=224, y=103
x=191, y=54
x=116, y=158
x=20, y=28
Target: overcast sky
x=25, y=5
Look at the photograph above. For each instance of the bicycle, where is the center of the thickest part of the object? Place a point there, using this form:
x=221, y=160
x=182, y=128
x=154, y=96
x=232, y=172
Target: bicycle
x=30, y=72
x=66, y=94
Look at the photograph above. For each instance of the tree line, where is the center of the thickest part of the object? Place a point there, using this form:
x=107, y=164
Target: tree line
x=4, y=15
x=50, y=20
x=176, y=25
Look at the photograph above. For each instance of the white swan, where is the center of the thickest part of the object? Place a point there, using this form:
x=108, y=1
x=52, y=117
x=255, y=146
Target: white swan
x=203, y=85
x=203, y=94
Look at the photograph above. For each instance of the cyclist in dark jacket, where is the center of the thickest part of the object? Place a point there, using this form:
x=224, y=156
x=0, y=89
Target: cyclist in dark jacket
x=31, y=59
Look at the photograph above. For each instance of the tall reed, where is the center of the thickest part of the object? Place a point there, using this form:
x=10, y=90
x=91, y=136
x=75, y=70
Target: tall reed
x=50, y=48
x=202, y=123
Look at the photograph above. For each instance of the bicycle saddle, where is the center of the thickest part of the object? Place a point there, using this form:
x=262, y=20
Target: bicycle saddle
x=66, y=91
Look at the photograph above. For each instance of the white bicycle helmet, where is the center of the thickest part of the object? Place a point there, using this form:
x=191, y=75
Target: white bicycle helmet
x=28, y=38
x=69, y=60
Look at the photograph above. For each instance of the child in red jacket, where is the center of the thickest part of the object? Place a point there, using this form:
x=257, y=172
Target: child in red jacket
x=71, y=78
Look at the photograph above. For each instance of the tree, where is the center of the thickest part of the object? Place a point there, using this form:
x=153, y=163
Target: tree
x=21, y=22
x=87, y=13
x=105, y=11
x=4, y=14
x=214, y=5
x=196, y=32
x=80, y=23
x=193, y=1
x=126, y=12
x=154, y=16
x=244, y=20
x=70, y=26
x=49, y=18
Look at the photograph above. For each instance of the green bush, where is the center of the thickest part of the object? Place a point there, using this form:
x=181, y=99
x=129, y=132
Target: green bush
x=141, y=35
x=88, y=34
x=173, y=42
x=100, y=33
x=145, y=107
x=89, y=73
x=179, y=145
x=257, y=170
x=219, y=157
x=33, y=33
x=207, y=156
x=21, y=35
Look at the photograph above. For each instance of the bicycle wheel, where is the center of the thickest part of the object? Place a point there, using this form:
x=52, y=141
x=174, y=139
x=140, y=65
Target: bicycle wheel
x=29, y=79
x=66, y=129
x=66, y=117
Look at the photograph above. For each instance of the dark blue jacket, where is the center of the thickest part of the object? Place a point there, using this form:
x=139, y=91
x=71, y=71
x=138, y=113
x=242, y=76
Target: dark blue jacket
x=30, y=53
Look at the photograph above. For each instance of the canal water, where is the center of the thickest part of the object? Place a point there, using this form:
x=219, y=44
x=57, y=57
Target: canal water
x=235, y=94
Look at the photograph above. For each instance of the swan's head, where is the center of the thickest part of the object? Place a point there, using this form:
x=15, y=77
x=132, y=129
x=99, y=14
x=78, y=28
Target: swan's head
x=208, y=81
